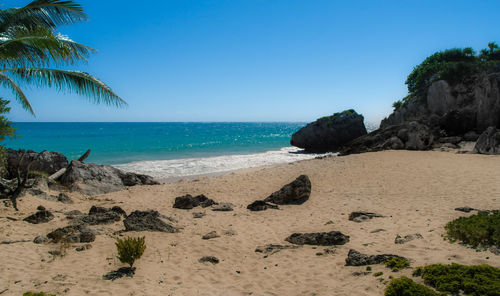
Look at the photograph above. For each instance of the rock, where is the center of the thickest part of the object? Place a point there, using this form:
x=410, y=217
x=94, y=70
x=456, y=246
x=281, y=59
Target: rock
x=377, y=230
x=100, y=215
x=470, y=136
x=41, y=208
x=121, y=272
x=407, y=238
x=73, y=233
x=46, y=161
x=73, y=214
x=188, y=202
x=95, y=179
x=464, y=209
x=210, y=235
x=83, y=248
x=330, y=133
x=40, y=239
x=198, y=215
x=147, y=221
x=211, y=259
x=297, y=192
x=42, y=216
x=319, y=238
x=272, y=248
x=495, y=250
x=450, y=140
x=393, y=143
x=355, y=258
x=488, y=142
x=419, y=137
x=223, y=207
x=260, y=205
x=64, y=198
x=362, y=216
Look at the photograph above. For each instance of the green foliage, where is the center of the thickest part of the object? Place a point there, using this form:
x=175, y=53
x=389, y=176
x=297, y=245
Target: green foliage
x=130, y=249
x=37, y=294
x=368, y=268
x=480, y=229
x=472, y=280
x=396, y=263
x=404, y=286
x=453, y=65
x=376, y=274
x=6, y=130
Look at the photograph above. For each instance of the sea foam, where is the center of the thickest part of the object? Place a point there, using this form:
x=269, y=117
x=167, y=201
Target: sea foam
x=176, y=168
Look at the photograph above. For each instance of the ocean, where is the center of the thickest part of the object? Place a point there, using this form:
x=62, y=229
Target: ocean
x=165, y=150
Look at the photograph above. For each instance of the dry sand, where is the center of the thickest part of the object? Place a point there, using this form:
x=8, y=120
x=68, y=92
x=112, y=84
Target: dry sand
x=417, y=191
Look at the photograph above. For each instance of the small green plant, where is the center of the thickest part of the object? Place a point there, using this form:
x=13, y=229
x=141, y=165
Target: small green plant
x=368, y=268
x=37, y=294
x=376, y=274
x=404, y=286
x=397, y=263
x=453, y=278
x=130, y=249
x=480, y=229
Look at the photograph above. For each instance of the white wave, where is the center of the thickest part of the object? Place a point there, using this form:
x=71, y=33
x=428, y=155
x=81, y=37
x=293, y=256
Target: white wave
x=174, y=168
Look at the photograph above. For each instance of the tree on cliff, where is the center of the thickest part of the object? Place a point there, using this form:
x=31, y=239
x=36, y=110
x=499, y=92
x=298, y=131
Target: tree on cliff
x=32, y=52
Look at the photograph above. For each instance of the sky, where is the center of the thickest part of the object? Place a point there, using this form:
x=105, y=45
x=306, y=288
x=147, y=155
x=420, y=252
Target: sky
x=256, y=60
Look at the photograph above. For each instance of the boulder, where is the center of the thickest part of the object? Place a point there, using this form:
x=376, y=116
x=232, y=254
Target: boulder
x=147, y=221
x=188, y=201
x=488, y=142
x=42, y=216
x=297, y=192
x=319, y=238
x=330, y=133
x=260, y=205
x=93, y=179
x=355, y=258
x=73, y=233
x=46, y=161
x=101, y=215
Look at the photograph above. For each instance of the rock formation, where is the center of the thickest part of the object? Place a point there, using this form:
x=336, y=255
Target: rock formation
x=318, y=238
x=297, y=192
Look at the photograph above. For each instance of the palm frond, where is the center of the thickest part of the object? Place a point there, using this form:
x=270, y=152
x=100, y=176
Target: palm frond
x=9, y=83
x=46, y=13
x=74, y=81
x=39, y=46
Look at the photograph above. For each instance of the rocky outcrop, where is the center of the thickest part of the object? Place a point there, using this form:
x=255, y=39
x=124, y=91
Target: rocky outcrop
x=331, y=238
x=93, y=179
x=188, y=201
x=363, y=216
x=73, y=233
x=297, y=192
x=42, y=216
x=101, y=215
x=330, y=133
x=488, y=142
x=355, y=258
x=147, y=221
x=46, y=161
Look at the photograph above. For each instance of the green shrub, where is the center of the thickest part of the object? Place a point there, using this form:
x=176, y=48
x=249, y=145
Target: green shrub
x=368, y=268
x=376, y=274
x=472, y=280
x=130, y=249
x=396, y=105
x=396, y=263
x=480, y=229
x=37, y=294
x=404, y=286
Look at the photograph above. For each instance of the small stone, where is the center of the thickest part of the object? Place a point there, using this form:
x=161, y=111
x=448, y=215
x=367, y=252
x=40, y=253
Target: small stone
x=377, y=230
x=495, y=250
x=40, y=239
x=223, y=207
x=210, y=235
x=407, y=238
x=198, y=215
x=41, y=208
x=64, y=198
x=464, y=209
x=211, y=259
x=329, y=222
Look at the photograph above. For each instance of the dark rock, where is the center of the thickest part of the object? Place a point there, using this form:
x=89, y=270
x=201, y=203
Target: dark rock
x=188, y=201
x=95, y=179
x=119, y=211
x=73, y=233
x=362, y=216
x=121, y=272
x=297, y=192
x=464, y=209
x=450, y=140
x=46, y=161
x=407, y=238
x=355, y=258
x=73, y=214
x=471, y=136
x=495, y=250
x=488, y=142
x=147, y=221
x=330, y=133
x=40, y=239
x=43, y=216
x=272, y=248
x=210, y=235
x=319, y=238
x=377, y=230
x=223, y=207
x=83, y=248
x=64, y=198
x=40, y=208
x=198, y=215
x=260, y=205
x=211, y=259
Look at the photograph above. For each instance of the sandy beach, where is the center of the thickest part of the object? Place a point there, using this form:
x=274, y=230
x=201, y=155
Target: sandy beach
x=416, y=191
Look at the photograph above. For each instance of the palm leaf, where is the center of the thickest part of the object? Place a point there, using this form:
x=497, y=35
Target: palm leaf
x=23, y=47
x=74, y=81
x=9, y=83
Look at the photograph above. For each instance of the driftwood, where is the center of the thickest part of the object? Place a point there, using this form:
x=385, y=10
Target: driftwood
x=60, y=172
x=13, y=242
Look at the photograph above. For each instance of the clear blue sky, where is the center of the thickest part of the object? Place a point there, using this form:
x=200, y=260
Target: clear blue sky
x=257, y=60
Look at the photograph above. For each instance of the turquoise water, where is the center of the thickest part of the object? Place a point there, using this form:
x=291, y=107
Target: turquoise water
x=120, y=143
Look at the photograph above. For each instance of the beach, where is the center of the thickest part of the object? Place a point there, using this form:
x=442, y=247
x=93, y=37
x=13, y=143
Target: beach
x=415, y=191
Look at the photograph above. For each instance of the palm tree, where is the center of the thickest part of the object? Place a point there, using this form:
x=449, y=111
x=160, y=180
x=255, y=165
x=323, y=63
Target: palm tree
x=31, y=51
